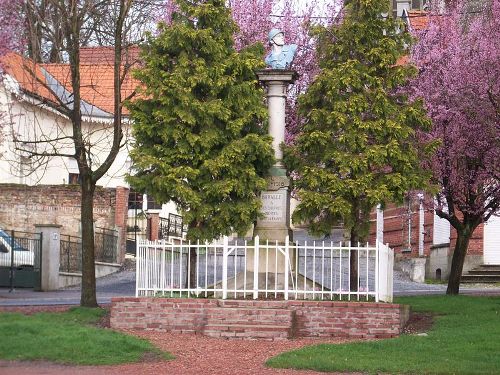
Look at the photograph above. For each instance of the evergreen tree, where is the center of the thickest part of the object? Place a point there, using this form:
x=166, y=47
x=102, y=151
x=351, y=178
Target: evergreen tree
x=358, y=145
x=199, y=124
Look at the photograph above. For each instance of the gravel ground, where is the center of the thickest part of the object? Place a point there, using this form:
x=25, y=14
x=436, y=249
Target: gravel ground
x=195, y=355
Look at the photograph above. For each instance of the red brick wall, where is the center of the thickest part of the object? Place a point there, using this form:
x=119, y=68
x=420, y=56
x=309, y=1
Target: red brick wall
x=308, y=318
x=396, y=231
x=153, y=226
x=22, y=206
x=121, y=215
x=475, y=244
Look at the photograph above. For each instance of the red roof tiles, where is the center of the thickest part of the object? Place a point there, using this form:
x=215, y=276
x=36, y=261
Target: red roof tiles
x=96, y=79
x=419, y=20
x=29, y=76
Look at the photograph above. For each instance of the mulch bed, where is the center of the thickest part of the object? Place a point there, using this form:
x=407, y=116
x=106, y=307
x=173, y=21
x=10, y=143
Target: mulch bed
x=418, y=323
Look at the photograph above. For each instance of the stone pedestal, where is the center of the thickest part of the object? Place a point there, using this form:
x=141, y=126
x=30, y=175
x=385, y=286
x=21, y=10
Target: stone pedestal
x=275, y=225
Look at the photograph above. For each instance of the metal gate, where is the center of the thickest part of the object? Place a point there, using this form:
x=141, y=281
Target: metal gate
x=20, y=259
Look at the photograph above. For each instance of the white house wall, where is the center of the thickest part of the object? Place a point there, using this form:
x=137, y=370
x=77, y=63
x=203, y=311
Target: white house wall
x=441, y=230
x=32, y=122
x=492, y=241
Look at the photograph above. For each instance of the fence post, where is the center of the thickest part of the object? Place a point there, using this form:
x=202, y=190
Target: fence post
x=11, y=273
x=224, y=268
x=377, y=255
x=287, y=265
x=256, y=268
x=138, y=268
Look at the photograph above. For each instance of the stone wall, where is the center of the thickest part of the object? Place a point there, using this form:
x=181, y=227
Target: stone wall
x=251, y=319
x=23, y=206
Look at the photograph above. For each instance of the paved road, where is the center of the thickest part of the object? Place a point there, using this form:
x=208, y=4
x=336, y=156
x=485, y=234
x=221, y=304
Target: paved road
x=123, y=284
x=119, y=284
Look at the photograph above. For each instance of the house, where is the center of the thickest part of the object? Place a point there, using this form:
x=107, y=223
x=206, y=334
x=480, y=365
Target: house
x=35, y=188
x=414, y=230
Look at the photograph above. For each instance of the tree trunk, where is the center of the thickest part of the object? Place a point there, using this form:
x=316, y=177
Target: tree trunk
x=353, y=263
x=193, y=257
x=88, y=292
x=457, y=263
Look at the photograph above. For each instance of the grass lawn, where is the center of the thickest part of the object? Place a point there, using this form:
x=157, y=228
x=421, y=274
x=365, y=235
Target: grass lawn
x=465, y=339
x=70, y=337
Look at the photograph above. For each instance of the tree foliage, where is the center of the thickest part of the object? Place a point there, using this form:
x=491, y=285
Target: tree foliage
x=459, y=61
x=10, y=37
x=357, y=146
x=198, y=126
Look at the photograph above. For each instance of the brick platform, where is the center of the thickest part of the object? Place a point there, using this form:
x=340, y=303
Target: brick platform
x=249, y=319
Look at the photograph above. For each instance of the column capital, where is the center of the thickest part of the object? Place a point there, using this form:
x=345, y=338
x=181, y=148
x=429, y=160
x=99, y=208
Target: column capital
x=277, y=75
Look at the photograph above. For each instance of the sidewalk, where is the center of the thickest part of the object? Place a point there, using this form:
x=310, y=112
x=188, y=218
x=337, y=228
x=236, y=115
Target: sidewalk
x=122, y=284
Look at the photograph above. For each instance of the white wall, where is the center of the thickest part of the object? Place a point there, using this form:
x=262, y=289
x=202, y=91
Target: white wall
x=441, y=231
x=31, y=122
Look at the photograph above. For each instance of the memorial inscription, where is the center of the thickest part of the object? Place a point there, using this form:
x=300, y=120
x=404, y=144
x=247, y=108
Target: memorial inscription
x=273, y=207
x=277, y=182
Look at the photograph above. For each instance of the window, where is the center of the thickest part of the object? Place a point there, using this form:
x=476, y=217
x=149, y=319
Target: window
x=152, y=205
x=74, y=178
x=134, y=200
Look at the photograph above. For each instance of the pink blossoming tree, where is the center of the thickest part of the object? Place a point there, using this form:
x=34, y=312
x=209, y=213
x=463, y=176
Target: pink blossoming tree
x=459, y=61
x=12, y=25
x=10, y=37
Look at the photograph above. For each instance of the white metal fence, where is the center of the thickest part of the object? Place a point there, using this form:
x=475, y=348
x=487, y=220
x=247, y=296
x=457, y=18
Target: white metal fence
x=306, y=270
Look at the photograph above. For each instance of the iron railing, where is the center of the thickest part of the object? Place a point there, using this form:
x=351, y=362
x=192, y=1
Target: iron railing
x=106, y=250
x=106, y=242
x=171, y=227
x=20, y=259
x=71, y=254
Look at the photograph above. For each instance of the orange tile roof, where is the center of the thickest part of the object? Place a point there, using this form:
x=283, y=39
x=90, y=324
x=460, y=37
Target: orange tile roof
x=106, y=55
x=29, y=76
x=96, y=84
x=96, y=80
x=419, y=20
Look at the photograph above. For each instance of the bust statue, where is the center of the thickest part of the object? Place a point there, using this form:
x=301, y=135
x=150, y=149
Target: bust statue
x=281, y=55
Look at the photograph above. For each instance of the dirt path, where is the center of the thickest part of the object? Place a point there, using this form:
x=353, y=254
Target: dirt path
x=196, y=355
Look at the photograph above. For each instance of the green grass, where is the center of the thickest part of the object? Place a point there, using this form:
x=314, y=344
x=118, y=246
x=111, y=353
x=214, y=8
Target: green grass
x=434, y=281
x=465, y=339
x=70, y=337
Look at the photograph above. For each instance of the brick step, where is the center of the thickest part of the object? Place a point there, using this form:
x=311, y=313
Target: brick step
x=249, y=322
x=252, y=304
x=242, y=315
x=474, y=278
x=247, y=331
x=484, y=272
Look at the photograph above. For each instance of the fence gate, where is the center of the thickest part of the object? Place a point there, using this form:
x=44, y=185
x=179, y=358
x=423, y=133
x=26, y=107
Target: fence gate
x=20, y=259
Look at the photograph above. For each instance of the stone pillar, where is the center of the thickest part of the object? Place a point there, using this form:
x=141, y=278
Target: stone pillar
x=121, y=216
x=51, y=253
x=153, y=225
x=275, y=225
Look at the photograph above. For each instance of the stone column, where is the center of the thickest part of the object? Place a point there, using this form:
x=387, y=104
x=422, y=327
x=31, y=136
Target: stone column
x=51, y=254
x=275, y=225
